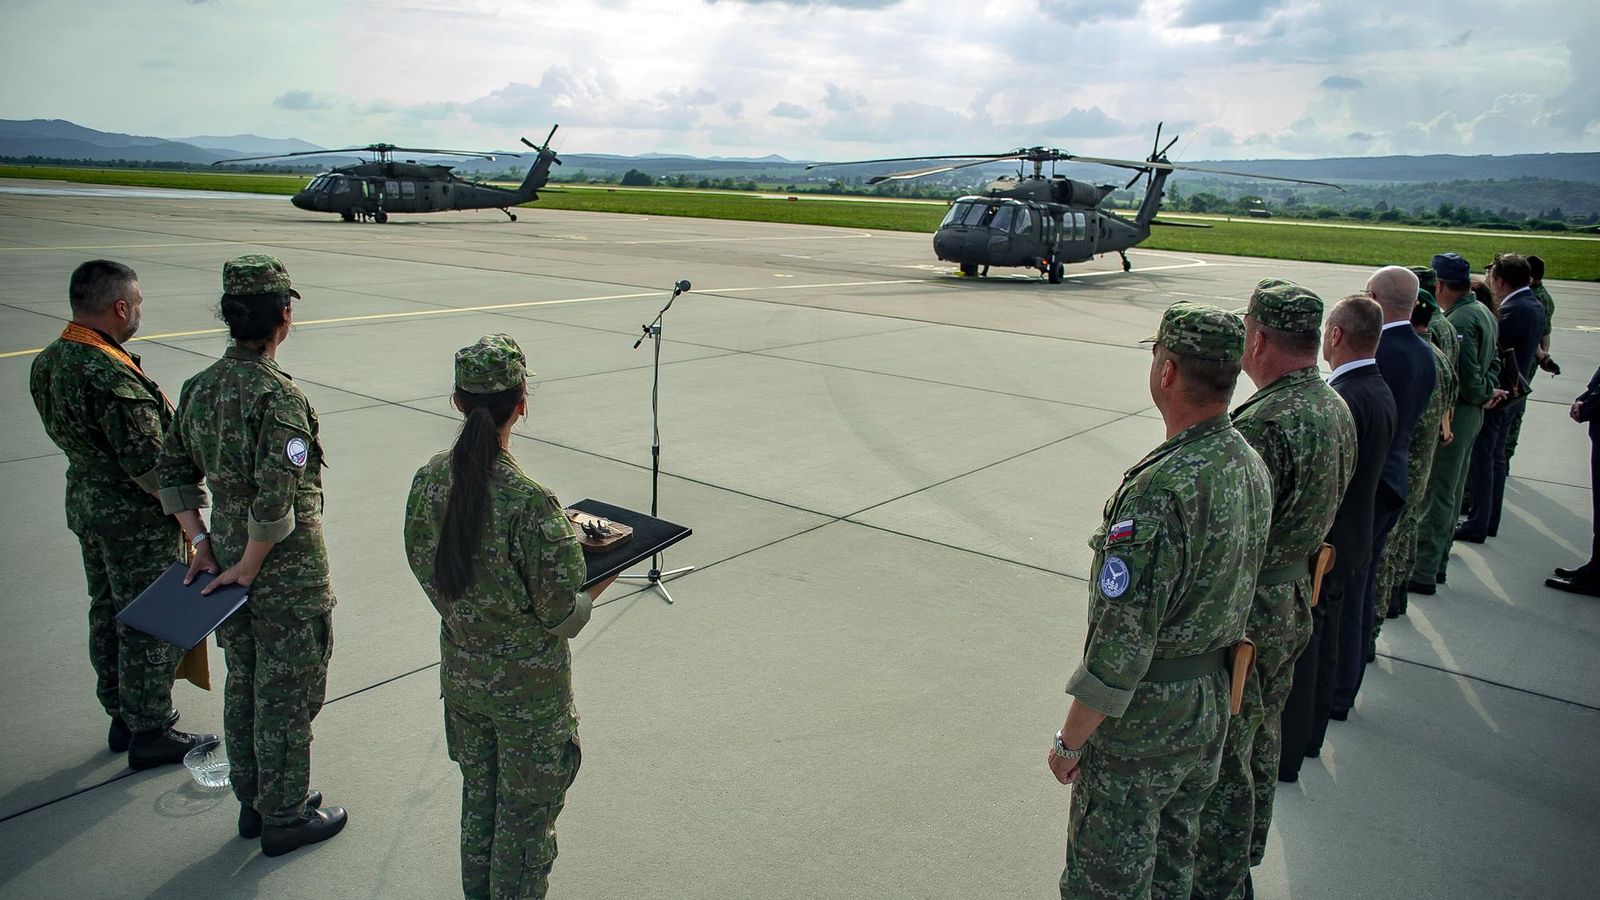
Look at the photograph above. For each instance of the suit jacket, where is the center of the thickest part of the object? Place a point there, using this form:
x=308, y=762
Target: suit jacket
x=1372, y=406
x=1522, y=326
x=1589, y=405
x=1406, y=364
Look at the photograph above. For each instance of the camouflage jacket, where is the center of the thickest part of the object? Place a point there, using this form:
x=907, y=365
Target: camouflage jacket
x=1425, y=436
x=1174, y=567
x=247, y=430
x=1478, y=363
x=108, y=419
x=1443, y=335
x=499, y=656
x=1307, y=438
x=1549, y=304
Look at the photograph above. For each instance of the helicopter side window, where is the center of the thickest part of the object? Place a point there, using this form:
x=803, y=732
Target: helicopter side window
x=1002, y=219
x=1080, y=223
x=1023, y=223
x=340, y=186
x=391, y=189
x=408, y=190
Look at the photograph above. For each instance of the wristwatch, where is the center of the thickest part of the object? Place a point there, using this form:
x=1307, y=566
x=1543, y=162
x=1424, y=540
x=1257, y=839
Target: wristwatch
x=199, y=539
x=1061, y=750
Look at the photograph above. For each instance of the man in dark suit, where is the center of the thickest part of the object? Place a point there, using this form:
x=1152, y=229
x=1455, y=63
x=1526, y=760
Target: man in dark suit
x=1585, y=579
x=1406, y=364
x=1522, y=322
x=1348, y=344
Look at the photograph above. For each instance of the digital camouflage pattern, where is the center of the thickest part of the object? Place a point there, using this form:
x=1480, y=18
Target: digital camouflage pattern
x=1173, y=573
x=108, y=418
x=1286, y=306
x=1200, y=331
x=247, y=430
x=256, y=273
x=277, y=679
x=1443, y=335
x=494, y=364
x=505, y=672
x=1307, y=438
x=1477, y=374
x=1401, y=552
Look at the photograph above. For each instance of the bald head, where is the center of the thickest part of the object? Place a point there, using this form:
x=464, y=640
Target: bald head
x=1395, y=289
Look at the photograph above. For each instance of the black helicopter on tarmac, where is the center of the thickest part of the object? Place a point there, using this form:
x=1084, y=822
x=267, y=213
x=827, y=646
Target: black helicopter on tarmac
x=1041, y=222
x=374, y=189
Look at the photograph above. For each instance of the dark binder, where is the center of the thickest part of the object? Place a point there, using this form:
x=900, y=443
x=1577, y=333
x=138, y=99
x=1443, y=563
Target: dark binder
x=650, y=536
x=177, y=613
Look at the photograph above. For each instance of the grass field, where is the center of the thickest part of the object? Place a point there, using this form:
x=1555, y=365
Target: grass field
x=1566, y=257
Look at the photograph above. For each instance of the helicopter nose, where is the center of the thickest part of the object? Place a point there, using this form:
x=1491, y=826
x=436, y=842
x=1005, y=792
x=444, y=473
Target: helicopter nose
x=301, y=200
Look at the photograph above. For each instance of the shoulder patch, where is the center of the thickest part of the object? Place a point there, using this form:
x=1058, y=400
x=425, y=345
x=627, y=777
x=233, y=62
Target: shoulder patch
x=1121, y=531
x=296, y=450
x=1115, y=576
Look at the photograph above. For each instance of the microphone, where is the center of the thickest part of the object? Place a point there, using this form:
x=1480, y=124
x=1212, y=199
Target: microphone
x=681, y=287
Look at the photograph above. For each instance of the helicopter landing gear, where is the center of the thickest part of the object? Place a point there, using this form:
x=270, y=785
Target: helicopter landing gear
x=348, y=215
x=1126, y=266
x=1056, y=270
x=509, y=214
x=380, y=217
x=969, y=269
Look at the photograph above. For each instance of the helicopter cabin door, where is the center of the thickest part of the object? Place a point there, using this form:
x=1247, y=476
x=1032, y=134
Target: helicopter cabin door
x=1076, y=238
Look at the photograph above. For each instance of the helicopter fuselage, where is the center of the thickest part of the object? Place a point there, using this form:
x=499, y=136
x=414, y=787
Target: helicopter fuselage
x=374, y=190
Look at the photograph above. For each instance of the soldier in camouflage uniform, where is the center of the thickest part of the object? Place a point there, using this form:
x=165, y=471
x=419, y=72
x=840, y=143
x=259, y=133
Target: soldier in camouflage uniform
x=107, y=416
x=1440, y=332
x=1432, y=430
x=1306, y=437
x=247, y=430
x=1174, y=569
x=501, y=563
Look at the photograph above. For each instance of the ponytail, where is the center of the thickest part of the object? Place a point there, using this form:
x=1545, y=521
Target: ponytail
x=472, y=466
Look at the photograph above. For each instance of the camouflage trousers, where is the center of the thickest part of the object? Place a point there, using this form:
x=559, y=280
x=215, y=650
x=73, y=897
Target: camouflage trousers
x=277, y=679
x=512, y=789
x=1135, y=818
x=1238, y=814
x=1400, y=554
x=133, y=671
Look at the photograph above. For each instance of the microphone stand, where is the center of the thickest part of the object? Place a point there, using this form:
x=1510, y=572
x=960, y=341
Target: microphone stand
x=655, y=577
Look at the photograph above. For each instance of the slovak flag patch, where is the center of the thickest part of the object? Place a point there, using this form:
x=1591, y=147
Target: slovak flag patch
x=1120, y=532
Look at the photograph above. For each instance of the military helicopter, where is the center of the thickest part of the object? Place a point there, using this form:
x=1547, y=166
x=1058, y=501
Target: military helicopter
x=1043, y=222
x=372, y=190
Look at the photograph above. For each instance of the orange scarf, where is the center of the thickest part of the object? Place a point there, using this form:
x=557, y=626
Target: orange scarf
x=78, y=334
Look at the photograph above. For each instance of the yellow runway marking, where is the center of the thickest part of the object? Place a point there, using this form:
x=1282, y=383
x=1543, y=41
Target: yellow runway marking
x=452, y=310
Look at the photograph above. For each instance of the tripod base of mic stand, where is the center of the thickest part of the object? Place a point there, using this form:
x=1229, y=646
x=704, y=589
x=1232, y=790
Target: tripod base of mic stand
x=655, y=577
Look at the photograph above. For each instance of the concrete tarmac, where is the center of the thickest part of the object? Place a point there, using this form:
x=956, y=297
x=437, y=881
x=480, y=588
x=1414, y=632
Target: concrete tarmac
x=892, y=473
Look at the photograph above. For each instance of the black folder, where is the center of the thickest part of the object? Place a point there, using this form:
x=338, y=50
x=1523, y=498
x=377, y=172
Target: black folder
x=177, y=613
x=650, y=536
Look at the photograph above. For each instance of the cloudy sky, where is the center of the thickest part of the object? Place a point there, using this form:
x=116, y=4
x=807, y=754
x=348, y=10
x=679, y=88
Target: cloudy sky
x=823, y=79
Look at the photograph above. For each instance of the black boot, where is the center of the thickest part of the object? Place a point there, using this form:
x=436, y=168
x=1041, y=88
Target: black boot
x=315, y=825
x=250, y=820
x=149, y=749
x=118, y=737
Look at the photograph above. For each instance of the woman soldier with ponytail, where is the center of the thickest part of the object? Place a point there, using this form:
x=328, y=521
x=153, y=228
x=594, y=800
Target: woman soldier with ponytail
x=501, y=563
x=247, y=430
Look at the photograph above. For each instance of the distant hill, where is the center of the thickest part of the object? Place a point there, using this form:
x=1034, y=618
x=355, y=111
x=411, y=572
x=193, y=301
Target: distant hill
x=60, y=139
x=248, y=144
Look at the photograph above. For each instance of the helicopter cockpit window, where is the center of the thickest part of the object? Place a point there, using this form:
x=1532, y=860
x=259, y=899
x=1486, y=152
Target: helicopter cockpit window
x=956, y=213
x=316, y=183
x=1023, y=223
x=1002, y=218
x=339, y=185
x=975, y=214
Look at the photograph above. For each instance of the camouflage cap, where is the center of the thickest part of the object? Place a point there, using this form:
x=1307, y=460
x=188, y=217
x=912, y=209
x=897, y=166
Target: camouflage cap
x=1426, y=299
x=1427, y=279
x=257, y=273
x=495, y=363
x=1200, y=331
x=1284, y=305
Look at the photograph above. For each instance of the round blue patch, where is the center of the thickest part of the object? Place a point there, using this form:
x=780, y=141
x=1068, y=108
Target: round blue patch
x=1115, y=577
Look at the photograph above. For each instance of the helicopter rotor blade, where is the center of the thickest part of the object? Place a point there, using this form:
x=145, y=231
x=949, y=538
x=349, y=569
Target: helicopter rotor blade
x=1175, y=166
x=1135, y=179
x=934, y=170
x=981, y=157
x=288, y=155
x=1164, y=150
x=1153, y=151
x=477, y=153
